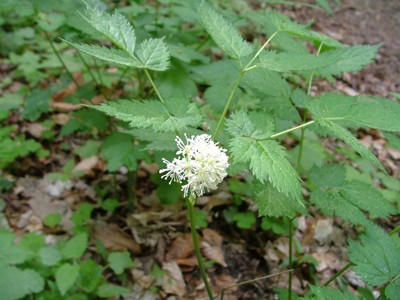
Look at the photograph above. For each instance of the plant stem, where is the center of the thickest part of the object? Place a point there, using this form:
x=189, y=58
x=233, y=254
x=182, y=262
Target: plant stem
x=153, y=85
x=396, y=230
x=247, y=68
x=301, y=143
x=60, y=59
x=291, y=129
x=88, y=69
x=336, y=275
x=131, y=183
x=252, y=280
x=290, y=258
x=227, y=105
x=190, y=204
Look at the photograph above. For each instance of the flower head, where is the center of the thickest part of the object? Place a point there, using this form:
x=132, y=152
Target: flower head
x=201, y=165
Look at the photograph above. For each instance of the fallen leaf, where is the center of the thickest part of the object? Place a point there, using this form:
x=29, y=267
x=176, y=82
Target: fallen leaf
x=61, y=118
x=65, y=107
x=212, y=237
x=36, y=129
x=173, y=282
x=113, y=238
x=213, y=253
x=323, y=231
x=86, y=165
x=181, y=247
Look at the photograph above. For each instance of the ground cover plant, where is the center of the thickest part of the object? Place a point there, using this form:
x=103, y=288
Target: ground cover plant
x=146, y=114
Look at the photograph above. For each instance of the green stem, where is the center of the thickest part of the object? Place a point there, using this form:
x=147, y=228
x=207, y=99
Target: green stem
x=247, y=68
x=396, y=230
x=252, y=280
x=131, y=183
x=301, y=143
x=88, y=69
x=227, y=105
x=291, y=129
x=153, y=85
x=290, y=258
x=60, y=59
x=190, y=204
x=336, y=275
x=98, y=71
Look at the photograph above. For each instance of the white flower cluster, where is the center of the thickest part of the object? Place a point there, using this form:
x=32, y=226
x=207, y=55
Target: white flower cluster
x=201, y=165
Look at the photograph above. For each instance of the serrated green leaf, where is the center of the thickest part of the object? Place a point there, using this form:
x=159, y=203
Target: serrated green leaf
x=16, y=283
x=154, y=54
x=347, y=59
x=76, y=246
x=119, y=261
x=66, y=276
x=343, y=134
x=108, y=54
x=361, y=111
x=348, y=200
x=332, y=204
x=223, y=33
x=287, y=61
x=266, y=158
x=175, y=115
x=368, y=198
x=392, y=291
x=284, y=24
x=376, y=257
x=324, y=293
x=272, y=203
x=115, y=27
x=330, y=176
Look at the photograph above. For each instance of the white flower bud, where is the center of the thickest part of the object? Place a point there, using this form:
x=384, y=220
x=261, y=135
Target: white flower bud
x=201, y=165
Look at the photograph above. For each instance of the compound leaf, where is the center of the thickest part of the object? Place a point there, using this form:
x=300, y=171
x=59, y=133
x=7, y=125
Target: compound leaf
x=223, y=33
x=376, y=257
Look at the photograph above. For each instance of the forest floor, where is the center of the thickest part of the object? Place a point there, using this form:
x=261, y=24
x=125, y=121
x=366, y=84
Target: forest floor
x=157, y=234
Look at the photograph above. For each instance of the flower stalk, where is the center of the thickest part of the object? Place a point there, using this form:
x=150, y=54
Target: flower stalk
x=190, y=203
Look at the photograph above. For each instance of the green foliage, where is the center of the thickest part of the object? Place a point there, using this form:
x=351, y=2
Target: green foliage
x=244, y=220
x=376, y=257
x=119, y=261
x=175, y=115
x=76, y=246
x=16, y=283
x=347, y=199
x=66, y=275
x=273, y=203
x=151, y=54
x=328, y=294
x=223, y=33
